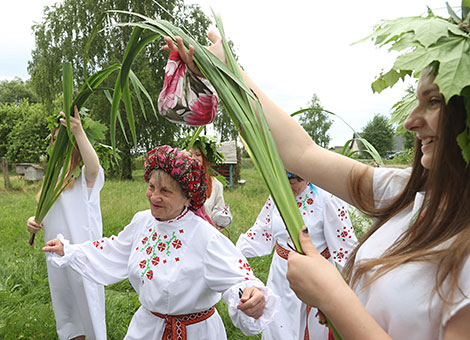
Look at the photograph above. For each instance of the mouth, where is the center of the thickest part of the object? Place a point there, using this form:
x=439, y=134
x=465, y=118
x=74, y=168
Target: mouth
x=155, y=206
x=427, y=141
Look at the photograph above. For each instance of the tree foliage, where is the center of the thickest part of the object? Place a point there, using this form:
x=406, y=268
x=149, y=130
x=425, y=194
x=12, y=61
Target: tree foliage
x=64, y=35
x=316, y=122
x=15, y=90
x=23, y=132
x=379, y=133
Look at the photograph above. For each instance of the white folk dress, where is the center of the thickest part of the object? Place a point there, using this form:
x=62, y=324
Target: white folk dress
x=79, y=304
x=402, y=301
x=179, y=266
x=329, y=226
x=215, y=205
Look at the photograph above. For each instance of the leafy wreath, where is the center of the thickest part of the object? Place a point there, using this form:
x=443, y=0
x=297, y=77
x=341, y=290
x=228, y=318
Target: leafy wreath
x=423, y=41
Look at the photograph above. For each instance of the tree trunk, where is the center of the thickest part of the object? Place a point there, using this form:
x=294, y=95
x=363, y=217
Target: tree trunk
x=126, y=164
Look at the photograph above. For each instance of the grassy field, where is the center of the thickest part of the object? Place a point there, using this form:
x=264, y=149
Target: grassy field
x=25, y=306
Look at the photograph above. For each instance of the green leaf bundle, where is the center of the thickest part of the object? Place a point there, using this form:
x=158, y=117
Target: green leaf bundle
x=245, y=111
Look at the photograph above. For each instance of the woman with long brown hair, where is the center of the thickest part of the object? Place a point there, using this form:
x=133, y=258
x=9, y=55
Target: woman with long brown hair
x=410, y=275
x=205, y=151
x=78, y=303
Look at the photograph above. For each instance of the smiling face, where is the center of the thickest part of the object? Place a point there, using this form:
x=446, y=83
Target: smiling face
x=424, y=119
x=165, y=196
x=197, y=155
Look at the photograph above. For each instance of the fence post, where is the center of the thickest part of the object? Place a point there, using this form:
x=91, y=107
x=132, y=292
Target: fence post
x=6, y=178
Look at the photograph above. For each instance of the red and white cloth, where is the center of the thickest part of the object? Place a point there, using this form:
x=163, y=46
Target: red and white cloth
x=186, y=98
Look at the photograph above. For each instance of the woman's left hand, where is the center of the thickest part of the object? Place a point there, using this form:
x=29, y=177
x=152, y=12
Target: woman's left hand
x=252, y=302
x=75, y=122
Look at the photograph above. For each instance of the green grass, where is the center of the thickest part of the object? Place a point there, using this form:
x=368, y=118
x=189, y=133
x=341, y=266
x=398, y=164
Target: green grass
x=25, y=306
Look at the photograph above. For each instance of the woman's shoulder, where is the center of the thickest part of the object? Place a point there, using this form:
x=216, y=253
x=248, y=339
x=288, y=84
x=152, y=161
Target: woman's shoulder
x=389, y=182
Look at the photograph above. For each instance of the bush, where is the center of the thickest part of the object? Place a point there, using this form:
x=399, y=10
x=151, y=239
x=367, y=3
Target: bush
x=23, y=132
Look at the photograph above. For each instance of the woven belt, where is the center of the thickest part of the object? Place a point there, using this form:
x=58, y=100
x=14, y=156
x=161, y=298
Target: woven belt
x=284, y=253
x=175, y=325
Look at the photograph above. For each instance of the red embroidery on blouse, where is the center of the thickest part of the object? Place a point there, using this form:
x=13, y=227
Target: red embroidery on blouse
x=155, y=260
x=344, y=233
x=340, y=255
x=245, y=268
x=267, y=235
x=342, y=213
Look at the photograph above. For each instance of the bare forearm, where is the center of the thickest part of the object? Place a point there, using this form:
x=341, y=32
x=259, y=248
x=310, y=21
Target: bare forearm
x=89, y=156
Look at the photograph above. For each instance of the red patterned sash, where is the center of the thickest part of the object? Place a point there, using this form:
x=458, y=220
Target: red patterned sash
x=175, y=325
x=284, y=253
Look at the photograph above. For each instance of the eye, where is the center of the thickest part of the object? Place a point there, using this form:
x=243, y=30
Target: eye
x=435, y=102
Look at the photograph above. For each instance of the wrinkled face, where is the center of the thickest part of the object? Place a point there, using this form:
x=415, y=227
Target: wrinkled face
x=296, y=186
x=197, y=155
x=424, y=119
x=166, y=199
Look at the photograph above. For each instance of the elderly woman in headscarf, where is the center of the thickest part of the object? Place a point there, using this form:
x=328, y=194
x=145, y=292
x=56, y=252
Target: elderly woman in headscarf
x=175, y=260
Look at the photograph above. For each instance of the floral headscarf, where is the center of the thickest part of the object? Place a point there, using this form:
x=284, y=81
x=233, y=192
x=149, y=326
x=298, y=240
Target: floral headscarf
x=185, y=98
x=188, y=172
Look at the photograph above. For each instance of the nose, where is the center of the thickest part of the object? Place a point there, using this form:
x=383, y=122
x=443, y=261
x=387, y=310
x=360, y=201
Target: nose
x=414, y=119
x=153, y=196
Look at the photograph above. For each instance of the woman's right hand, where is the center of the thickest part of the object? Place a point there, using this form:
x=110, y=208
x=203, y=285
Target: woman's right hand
x=186, y=55
x=54, y=246
x=313, y=278
x=33, y=226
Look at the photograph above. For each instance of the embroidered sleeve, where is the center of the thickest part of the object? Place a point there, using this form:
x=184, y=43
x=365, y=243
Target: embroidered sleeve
x=103, y=261
x=258, y=240
x=338, y=230
x=228, y=271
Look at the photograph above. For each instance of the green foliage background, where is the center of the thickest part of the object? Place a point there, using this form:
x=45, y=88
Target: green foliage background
x=380, y=134
x=316, y=122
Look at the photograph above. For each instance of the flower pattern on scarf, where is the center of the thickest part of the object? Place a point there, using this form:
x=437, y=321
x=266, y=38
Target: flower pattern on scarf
x=185, y=98
x=188, y=172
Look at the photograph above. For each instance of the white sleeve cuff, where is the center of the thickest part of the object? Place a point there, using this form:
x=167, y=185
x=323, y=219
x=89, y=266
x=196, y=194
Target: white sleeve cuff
x=248, y=325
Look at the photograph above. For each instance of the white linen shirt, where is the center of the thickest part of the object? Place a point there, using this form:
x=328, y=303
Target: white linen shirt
x=329, y=225
x=402, y=301
x=179, y=266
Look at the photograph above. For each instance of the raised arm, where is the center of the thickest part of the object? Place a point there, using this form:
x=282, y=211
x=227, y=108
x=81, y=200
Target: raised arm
x=89, y=156
x=299, y=153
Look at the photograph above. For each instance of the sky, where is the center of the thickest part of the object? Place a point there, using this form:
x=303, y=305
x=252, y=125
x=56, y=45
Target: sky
x=291, y=51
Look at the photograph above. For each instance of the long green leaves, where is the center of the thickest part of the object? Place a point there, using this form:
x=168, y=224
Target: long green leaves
x=57, y=166
x=243, y=108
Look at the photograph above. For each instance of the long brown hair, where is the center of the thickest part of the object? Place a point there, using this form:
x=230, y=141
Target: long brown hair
x=75, y=160
x=205, y=163
x=442, y=232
